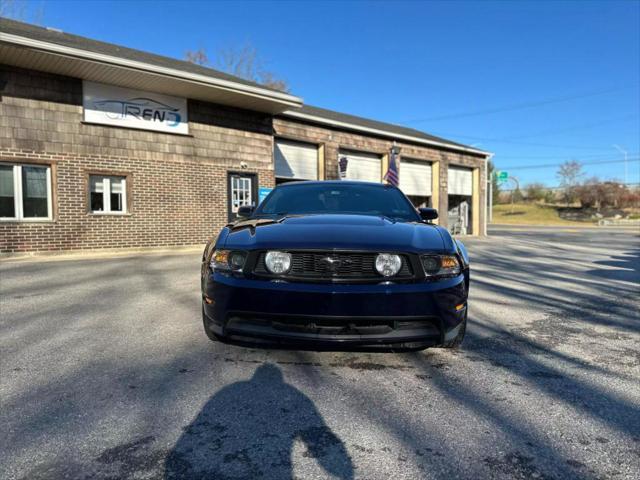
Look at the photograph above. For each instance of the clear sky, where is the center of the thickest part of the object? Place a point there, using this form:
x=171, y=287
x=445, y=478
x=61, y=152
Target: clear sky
x=536, y=83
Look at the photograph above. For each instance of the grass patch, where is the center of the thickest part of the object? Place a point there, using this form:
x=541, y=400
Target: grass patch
x=530, y=214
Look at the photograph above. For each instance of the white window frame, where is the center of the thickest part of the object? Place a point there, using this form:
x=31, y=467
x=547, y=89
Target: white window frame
x=240, y=184
x=106, y=194
x=17, y=194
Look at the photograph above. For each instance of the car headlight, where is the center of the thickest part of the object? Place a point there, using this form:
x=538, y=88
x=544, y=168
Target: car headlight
x=436, y=266
x=228, y=260
x=388, y=264
x=278, y=262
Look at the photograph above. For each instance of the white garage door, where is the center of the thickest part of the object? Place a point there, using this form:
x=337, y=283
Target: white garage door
x=415, y=177
x=363, y=166
x=460, y=181
x=296, y=160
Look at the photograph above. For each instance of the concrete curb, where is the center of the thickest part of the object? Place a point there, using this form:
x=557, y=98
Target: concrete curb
x=66, y=255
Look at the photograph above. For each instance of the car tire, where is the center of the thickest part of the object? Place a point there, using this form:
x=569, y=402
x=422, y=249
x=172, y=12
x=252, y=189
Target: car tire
x=212, y=336
x=457, y=341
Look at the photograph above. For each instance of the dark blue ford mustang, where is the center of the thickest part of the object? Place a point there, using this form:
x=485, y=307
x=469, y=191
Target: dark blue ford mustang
x=336, y=262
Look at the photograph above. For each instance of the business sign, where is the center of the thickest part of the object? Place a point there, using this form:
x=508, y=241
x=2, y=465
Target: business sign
x=123, y=107
x=262, y=193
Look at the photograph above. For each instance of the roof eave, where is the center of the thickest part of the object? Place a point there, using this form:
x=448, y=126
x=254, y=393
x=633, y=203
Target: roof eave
x=280, y=100
x=383, y=133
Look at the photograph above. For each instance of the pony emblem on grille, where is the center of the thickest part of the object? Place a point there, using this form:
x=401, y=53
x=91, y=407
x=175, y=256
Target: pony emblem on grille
x=334, y=263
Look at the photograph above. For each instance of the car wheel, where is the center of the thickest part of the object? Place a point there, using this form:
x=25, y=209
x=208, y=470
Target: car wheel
x=212, y=336
x=457, y=341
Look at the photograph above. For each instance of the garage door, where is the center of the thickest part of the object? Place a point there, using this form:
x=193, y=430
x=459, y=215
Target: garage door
x=415, y=177
x=296, y=160
x=460, y=181
x=363, y=166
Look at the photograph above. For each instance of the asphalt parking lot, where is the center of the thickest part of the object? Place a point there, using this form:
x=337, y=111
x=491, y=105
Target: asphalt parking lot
x=106, y=373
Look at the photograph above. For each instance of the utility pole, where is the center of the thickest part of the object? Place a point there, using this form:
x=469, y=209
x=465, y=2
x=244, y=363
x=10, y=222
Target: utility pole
x=490, y=182
x=624, y=152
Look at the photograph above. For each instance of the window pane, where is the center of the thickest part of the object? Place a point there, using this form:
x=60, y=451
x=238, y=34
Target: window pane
x=7, y=204
x=117, y=194
x=34, y=192
x=96, y=184
x=96, y=202
x=107, y=189
x=117, y=184
x=97, y=199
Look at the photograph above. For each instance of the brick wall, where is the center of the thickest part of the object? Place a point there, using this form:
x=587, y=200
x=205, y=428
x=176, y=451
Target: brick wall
x=178, y=183
x=334, y=140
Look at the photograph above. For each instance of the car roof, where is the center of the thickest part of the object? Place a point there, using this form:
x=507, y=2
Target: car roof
x=334, y=182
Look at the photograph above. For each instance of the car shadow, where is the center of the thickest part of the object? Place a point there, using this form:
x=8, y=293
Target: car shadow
x=248, y=430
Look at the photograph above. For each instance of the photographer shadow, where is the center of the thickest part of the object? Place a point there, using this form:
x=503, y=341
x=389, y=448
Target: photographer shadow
x=248, y=430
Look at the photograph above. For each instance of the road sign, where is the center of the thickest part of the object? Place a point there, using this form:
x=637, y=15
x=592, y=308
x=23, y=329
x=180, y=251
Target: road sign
x=502, y=175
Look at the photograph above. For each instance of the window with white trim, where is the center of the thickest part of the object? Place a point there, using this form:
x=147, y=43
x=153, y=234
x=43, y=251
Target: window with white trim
x=107, y=194
x=25, y=192
x=241, y=192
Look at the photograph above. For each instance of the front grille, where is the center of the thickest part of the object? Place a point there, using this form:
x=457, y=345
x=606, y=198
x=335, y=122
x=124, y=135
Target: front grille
x=335, y=266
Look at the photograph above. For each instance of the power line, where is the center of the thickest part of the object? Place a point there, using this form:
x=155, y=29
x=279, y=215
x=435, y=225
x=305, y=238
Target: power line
x=550, y=165
x=583, y=126
x=519, y=106
x=535, y=157
x=497, y=140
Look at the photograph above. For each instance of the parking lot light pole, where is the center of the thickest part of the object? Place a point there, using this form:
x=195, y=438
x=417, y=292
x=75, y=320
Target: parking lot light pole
x=624, y=152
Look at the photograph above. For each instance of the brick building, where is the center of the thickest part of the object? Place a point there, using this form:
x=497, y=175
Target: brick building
x=106, y=147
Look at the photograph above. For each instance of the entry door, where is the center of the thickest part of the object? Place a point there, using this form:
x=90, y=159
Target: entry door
x=242, y=190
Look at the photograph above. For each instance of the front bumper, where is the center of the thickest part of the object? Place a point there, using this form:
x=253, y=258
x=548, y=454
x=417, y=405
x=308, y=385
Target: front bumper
x=356, y=314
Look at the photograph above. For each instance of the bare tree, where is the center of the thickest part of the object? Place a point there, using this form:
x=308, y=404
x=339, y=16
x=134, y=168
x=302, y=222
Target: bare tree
x=569, y=174
x=269, y=80
x=495, y=184
x=243, y=62
x=198, y=56
x=12, y=9
x=535, y=192
x=18, y=10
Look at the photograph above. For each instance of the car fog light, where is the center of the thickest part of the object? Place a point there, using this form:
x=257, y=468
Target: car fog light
x=388, y=264
x=236, y=260
x=278, y=262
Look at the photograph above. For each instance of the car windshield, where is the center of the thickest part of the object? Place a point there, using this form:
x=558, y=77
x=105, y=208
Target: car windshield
x=329, y=198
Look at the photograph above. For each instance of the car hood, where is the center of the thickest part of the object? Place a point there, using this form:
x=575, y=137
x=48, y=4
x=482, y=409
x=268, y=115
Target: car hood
x=348, y=232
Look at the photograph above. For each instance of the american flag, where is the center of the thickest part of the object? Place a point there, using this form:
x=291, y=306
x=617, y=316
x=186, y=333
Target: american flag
x=342, y=167
x=393, y=173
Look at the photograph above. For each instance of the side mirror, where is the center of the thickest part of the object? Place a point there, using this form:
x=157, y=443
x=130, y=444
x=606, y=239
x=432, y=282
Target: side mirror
x=245, y=211
x=428, y=214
